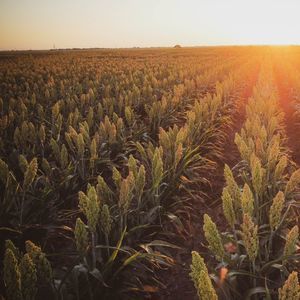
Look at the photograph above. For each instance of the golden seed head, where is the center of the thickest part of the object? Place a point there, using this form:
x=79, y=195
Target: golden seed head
x=120, y=125
x=112, y=134
x=55, y=149
x=73, y=134
x=205, y=288
x=201, y=279
x=290, y=289
x=69, y=140
x=85, y=131
x=247, y=200
x=117, y=177
x=42, y=264
x=259, y=148
x=81, y=237
x=250, y=237
x=55, y=110
x=11, y=276
x=23, y=164
x=213, y=237
x=276, y=210
x=28, y=278
x=128, y=115
x=93, y=149
x=83, y=202
x=197, y=265
x=257, y=173
x=105, y=220
x=164, y=139
x=140, y=181
x=90, y=206
x=126, y=189
x=228, y=208
x=132, y=165
x=273, y=152
x=46, y=167
x=280, y=167
x=232, y=186
x=100, y=111
x=10, y=245
x=141, y=150
x=291, y=241
x=90, y=117
x=80, y=144
x=103, y=189
x=30, y=173
x=115, y=117
x=293, y=182
x=242, y=146
x=31, y=248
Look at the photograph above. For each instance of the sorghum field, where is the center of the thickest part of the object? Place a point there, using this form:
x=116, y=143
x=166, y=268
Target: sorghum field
x=169, y=173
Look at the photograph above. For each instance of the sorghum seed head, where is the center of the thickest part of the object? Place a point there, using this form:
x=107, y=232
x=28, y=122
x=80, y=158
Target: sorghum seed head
x=290, y=289
x=12, y=276
x=213, y=237
x=81, y=237
x=30, y=173
x=291, y=241
x=28, y=278
x=250, y=237
x=275, y=210
x=228, y=208
x=247, y=200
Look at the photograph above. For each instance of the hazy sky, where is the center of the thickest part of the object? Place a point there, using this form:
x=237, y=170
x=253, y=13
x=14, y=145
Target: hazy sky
x=39, y=24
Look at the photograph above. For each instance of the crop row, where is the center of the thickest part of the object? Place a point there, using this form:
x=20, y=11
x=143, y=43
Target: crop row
x=257, y=251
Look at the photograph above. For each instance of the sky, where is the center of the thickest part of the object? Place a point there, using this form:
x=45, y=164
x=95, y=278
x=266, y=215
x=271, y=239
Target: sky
x=43, y=24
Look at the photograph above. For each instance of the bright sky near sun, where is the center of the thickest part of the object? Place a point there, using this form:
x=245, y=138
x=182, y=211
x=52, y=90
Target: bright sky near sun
x=39, y=24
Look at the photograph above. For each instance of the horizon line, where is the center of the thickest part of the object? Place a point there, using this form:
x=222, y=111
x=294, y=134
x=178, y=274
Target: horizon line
x=149, y=47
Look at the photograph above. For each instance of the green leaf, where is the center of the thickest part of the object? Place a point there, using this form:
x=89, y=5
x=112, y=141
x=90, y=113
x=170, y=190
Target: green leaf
x=158, y=243
x=116, y=251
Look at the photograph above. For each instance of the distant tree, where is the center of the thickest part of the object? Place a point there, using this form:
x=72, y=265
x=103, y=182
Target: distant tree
x=177, y=46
